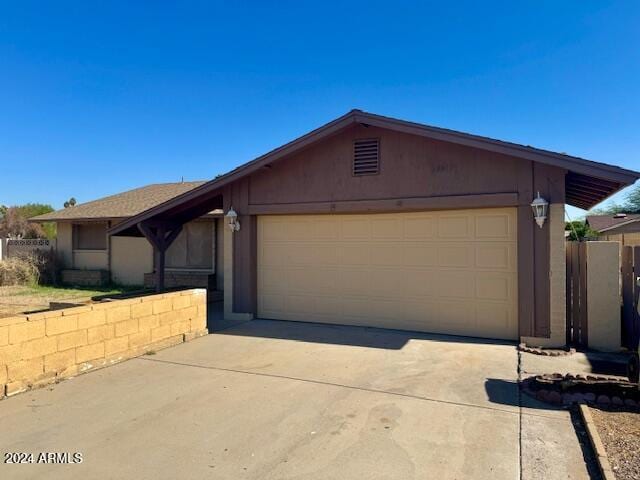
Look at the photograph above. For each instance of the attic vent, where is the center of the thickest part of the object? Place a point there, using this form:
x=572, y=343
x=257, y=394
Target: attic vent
x=366, y=157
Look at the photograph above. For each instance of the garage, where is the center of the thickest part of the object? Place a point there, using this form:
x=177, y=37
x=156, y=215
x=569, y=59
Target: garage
x=377, y=221
x=452, y=271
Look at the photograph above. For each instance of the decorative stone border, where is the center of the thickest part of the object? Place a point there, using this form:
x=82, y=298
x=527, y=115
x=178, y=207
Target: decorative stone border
x=596, y=443
x=552, y=396
x=546, y=352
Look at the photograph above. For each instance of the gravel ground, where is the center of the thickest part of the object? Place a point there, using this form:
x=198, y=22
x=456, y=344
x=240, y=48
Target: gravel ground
x=620, y=433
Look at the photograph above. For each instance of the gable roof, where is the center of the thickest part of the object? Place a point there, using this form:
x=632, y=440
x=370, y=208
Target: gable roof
x=603, y=223
x=120, y=205
x=587, y=182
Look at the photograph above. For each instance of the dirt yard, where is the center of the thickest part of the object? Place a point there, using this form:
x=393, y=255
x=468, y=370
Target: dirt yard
x=16, y=300
x=620, y=433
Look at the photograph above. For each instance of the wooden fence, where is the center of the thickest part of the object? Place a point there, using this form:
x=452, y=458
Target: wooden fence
x=630, y=270
x=577, y=295
x=577, y=318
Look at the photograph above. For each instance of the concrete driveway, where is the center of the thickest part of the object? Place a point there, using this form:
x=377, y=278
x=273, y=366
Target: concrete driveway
x=282, y=400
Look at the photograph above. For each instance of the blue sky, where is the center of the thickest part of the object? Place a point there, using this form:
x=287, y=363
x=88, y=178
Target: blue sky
x=100, y=97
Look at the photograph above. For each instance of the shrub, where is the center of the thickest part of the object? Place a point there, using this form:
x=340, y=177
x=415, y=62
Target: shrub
x=30, y=269
x=19, y=271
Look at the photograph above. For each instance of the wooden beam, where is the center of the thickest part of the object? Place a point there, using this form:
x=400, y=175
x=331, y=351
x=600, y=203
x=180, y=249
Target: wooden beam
x=161, y=235
x=508, y=199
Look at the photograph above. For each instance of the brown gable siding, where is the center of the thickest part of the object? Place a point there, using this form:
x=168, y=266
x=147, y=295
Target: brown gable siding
x=319, y=180
x=410, y=166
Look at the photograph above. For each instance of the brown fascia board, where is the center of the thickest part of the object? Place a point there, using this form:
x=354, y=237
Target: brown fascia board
x=245, y=169
x=579, y=165
x=575, y=164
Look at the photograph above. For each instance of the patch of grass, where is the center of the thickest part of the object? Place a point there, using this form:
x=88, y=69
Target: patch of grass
x=77, y=291
x=18, y=299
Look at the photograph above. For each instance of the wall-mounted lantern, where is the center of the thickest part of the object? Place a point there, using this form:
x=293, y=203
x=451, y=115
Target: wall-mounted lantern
x=232, y=220
x=540, y=206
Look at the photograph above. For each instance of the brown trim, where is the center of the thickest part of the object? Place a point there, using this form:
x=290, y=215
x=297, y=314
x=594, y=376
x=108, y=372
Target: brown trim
x=542, y=183
x=576, y=164
x=390, y=204
x=526, y=269
x=526, y=265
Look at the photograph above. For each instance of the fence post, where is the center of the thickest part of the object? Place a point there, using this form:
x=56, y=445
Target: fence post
x=569, y=292
x=634, y=331
x=628, y=296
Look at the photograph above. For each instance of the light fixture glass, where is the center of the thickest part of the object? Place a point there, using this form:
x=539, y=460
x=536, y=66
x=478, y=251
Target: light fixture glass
x=540, y=207
x=232, y=220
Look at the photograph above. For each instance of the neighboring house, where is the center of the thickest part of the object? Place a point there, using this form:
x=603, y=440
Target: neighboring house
x=374, y=221
x=620, y=227
x=89, y=256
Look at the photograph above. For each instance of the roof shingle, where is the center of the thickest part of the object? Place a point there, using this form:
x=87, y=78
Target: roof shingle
x=605, y=222
x=121, y=205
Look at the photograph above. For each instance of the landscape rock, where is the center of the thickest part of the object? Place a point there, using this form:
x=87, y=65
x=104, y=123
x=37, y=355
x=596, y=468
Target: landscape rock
x=555, y=397
x=578, y=398
x=617, y=401
x=542, y=395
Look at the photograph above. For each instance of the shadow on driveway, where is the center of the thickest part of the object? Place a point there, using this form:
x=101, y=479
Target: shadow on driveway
x=344, y=335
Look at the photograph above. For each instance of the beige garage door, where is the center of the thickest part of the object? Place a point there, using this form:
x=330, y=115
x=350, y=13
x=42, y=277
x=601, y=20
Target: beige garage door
x=445, y=272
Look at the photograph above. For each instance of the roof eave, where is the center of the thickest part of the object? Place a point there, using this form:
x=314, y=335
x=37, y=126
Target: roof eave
x=585, y=167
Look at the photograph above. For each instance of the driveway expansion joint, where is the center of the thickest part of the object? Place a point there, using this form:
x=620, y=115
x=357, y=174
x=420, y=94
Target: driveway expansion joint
x=331, y=384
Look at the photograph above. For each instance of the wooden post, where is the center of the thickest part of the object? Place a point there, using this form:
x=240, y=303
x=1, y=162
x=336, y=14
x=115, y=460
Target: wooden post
x=156, y=233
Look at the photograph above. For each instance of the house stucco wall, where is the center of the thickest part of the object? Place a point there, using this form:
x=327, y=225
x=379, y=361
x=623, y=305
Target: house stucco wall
x=131, y=258
x=91, y=259
x=603, y=298
x=64, y=243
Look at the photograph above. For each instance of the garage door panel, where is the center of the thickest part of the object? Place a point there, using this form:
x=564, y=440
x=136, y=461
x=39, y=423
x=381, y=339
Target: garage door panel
x=354, y=254
x=271, y=303
x=456, y=255
x=326, y=228
x=387, y=228
x=418, y=283
x=445, y=272
x=272, y=280
x=454, y=284
x=274, y=254
x=383, y=254
x=460, y=313
x=356, y=228
x=354, y=281
x=495, y=256
x=419, y=227
x=493, y=286
x=494, y=226
x=455, y=227
x=384, y=281
x=300, y=304
x=424, y=255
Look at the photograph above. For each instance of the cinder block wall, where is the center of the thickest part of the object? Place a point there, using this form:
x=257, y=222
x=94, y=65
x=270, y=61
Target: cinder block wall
x=41, y=348
x=603, y=296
